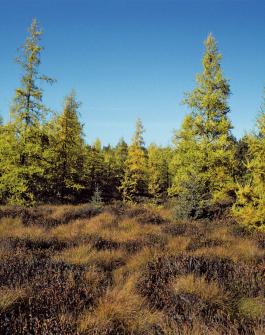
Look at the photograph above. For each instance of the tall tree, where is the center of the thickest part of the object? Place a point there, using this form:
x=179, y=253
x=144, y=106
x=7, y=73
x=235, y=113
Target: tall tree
x=134, y=184
x=67, y=154
x=26, y=130
x=204, y=160
x=28, y=107
x=138, y=138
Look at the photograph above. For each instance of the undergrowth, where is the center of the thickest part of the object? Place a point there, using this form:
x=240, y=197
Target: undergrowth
x=126, y=269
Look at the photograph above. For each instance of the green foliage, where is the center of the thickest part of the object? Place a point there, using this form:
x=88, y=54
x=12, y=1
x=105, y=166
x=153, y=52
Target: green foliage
x=158, y=174
x=67, y=152
x=204, y=146
x=134, y=184
x=24, y=137
x=28, y=108
x=252, y=308
x=94, y=173
x=250, y=205
x=96, y=199
x=44, y=157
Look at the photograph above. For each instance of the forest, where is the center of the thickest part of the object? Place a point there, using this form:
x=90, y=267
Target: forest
x=131, y=239
x=44, y=157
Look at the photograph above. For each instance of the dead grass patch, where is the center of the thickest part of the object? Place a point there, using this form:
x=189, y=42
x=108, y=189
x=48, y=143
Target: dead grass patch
x=13, y=227
x=207, y=291
x=9, y=296
x=238, y=250
x=87, y=255
x=122, y=311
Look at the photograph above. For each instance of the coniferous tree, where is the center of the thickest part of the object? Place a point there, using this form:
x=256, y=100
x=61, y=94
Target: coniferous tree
x=134, y=184
x=110, y=178
x=26, y=140
x=95, y=170
x=120, y=157
x=121, y=154
x=250, y=204
x=67, y=155
x=158, y=174
x=203, y=163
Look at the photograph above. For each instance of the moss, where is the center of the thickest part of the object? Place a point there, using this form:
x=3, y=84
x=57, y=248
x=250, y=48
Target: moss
x=253, y=308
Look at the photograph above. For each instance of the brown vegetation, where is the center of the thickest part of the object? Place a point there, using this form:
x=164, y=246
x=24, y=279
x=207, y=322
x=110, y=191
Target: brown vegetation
x=127, y=269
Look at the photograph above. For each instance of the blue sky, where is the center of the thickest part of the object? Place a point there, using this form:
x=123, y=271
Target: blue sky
x=136, y=58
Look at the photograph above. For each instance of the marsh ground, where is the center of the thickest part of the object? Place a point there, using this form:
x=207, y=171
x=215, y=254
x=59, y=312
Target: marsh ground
x=127, y=269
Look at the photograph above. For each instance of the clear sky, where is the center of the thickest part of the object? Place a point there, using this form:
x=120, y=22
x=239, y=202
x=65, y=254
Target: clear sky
x=136, y=58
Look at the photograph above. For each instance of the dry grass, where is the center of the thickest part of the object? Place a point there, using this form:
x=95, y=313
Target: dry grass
x=135, y=265
x=10, y=296
x=238, y=250
x=121, y=309
x=207, y=291
x=128, y=270
x=86, y=255
x=13, y=227
x=177, y=244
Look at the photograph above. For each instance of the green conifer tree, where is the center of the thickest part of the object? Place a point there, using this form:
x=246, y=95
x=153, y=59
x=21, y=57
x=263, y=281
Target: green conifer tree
x=134, y=184
x=158, y=174
x=203, y=164
x=26, y=140
x=250, y=204
x=95, y=170
x=67, y=153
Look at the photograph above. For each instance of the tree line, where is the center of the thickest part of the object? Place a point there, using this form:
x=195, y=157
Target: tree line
x=44, y=156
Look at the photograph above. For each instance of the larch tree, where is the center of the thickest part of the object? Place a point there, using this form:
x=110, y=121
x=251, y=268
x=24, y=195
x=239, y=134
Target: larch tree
x=66, y=153
x=95, y=169
x=120, y=156
x=134, y=184
x=158, y=173
x=27, y=118
x=203, y=164
x=250, y=204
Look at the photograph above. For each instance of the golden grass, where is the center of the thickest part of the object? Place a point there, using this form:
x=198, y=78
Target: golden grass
x=10, y=296
x=120, y=282
x=76, y=255
x=57, y=212
x=94, y=276
x=177, y=244
x=82, y=227
x=238, y=250
x=86, y=255
x=67, y=232
x=259, y=330
x=125, y=231
x=222, y=233
x=105, y=226
x=135, y=264
x=120, y=307
x=13, y=227
x=208, y=291
x=3, y=253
